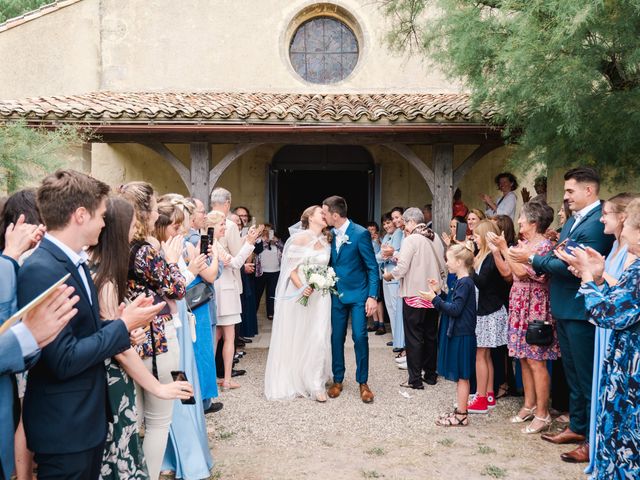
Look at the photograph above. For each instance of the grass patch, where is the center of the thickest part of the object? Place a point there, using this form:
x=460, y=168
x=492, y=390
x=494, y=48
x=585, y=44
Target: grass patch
x=224, y=435
x=446, y=442
x=376, y=451
x=371, y=474
x=493, y=471
x=217, y=475
x=326, y=444
x=485, y=450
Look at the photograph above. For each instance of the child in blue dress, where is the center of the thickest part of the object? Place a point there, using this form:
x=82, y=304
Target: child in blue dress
x=459, y=362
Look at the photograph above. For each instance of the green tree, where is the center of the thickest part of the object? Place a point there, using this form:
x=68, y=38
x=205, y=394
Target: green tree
x=27, y=154
x=564, y=75
x=14, y=8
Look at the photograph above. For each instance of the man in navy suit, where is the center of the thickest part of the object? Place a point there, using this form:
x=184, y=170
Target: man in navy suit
x=575, y=333
x=65, y=407
x=21, y=344
x=354, y=262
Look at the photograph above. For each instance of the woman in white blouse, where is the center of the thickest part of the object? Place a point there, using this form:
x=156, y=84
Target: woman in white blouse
x=506, y=203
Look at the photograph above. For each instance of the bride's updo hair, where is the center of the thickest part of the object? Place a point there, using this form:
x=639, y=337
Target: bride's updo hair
x=304, y=218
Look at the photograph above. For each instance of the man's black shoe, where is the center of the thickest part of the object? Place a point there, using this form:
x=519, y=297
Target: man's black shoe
x=389, y=344
x=215, y=407
x=431, y=380
x=238, y=373
x=246, y=340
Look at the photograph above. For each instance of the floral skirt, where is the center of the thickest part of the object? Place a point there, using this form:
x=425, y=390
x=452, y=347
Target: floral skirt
x=491, y=330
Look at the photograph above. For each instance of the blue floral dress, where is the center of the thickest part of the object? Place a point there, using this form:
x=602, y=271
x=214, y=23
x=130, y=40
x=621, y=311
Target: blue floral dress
x=618, y=422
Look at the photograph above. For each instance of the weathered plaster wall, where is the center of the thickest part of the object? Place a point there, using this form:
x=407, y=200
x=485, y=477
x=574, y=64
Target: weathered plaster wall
x=56, y=54
x=192, y=45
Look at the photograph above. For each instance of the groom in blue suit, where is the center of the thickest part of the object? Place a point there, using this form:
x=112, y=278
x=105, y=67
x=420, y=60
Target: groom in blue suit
x=354, y=262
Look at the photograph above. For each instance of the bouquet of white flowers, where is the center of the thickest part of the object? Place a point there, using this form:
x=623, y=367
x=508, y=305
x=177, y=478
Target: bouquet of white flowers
x=319, y=277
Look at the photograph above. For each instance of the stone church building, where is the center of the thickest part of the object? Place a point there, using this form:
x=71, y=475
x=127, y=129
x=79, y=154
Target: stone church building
x=283, y=102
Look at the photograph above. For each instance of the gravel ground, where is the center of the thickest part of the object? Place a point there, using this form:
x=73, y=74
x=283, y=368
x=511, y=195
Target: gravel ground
x=393, y=438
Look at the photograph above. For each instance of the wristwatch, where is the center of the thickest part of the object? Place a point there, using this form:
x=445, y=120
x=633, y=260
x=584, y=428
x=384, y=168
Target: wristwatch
x=530, y=259
x=375, y=298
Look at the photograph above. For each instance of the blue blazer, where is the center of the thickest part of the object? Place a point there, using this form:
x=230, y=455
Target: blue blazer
x=564, y=285
x=65, y=405
x=355, y=265
x=11, y=362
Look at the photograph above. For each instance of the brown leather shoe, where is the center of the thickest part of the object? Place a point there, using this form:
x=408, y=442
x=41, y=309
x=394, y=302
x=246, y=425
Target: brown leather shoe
x=579, y=455
x=565, y=436
x=365, y=393
x=335, y=390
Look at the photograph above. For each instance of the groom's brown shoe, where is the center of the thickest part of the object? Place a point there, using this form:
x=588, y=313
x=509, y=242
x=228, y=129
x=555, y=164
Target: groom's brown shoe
x=335, y=390
x=365, y=393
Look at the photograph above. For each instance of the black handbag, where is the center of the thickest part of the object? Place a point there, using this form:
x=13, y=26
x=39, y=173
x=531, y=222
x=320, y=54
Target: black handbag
x=539, y=333
x=198, y=295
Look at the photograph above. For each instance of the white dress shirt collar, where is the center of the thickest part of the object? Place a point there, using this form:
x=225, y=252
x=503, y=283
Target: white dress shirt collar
x=342, y=230
x=76, y=257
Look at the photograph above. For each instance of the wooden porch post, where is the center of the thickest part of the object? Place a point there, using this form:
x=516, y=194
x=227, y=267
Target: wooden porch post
x=443, y=186
x=200, y=160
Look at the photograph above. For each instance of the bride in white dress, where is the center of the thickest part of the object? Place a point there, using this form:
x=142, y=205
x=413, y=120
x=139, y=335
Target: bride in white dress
x=299, y=362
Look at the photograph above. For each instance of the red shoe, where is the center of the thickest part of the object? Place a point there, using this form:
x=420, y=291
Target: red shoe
x=491, y=400
x=478, y=405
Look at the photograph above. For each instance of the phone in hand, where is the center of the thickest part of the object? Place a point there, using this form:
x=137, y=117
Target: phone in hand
x=571, y=245
x=204, y=244
x=180, y=376
x=461, y=232
x=210, y=232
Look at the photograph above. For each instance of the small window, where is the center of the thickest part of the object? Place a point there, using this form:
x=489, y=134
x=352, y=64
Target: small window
x=324, y=50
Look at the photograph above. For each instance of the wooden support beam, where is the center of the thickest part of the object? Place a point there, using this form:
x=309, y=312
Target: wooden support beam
x=471, y=160
x=200, y=164
x=164, y=152
x=239, y=150
x=443, y=186
x=410, y=156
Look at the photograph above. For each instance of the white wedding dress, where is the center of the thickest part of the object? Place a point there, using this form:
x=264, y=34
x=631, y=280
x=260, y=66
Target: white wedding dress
x=299, y=361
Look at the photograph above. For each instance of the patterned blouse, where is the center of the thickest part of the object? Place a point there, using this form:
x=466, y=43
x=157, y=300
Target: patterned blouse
x=150, y=274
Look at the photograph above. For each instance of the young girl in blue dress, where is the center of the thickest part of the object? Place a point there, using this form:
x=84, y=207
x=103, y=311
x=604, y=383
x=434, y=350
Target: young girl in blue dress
x=459, y=362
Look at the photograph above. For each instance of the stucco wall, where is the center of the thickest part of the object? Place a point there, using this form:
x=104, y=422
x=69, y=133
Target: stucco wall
x=55, y=54
x=192, y=45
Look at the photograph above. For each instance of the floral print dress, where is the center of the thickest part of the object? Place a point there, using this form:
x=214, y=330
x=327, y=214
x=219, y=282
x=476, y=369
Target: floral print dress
x=150, y=274
x=528, y=301
x=618, y=422
x=123, y=456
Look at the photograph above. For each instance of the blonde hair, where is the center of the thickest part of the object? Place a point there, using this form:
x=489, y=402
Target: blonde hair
x=308, y=212
x=464, y=252
x=621, y=201
x=484, y=227
x=213, y=218
x=633, y=214
x=477, y=213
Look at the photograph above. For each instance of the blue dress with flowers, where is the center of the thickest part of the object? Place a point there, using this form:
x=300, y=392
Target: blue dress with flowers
x=618, y=422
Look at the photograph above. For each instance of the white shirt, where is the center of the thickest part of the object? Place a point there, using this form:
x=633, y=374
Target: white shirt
x=77, y=258
x=505, y=205
x=341, y=233
x=580, y=214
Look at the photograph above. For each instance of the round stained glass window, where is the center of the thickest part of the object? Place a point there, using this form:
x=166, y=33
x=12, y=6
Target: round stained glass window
x=324, y=50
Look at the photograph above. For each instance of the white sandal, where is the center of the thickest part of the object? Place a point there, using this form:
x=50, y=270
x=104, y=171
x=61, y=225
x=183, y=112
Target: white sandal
x=547, y=423
x=527, y=417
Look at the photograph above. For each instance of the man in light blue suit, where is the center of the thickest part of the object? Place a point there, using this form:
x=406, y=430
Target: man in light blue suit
x=354, y=262
x=20, y=347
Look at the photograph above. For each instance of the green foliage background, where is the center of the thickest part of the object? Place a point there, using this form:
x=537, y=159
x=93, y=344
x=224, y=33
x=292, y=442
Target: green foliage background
x=14, y=8
x=564, y=74
x=27, y=154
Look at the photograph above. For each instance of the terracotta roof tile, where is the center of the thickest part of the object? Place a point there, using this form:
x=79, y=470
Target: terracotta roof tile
x=210, y=107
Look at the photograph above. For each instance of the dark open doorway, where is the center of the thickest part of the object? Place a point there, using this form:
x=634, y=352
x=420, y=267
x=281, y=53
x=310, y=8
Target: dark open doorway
x=304, y=175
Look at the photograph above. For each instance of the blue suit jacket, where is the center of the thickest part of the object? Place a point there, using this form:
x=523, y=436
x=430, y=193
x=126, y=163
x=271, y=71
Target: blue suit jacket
x=355, y=265
x=65, y=405
x=564, y=285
